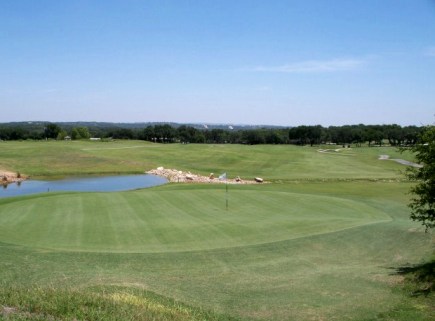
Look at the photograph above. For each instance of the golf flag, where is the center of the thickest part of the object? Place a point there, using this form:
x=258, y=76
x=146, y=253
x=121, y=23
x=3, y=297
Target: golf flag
x=223, y=176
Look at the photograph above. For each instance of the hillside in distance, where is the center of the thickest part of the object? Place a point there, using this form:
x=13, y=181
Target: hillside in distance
x=132, y=125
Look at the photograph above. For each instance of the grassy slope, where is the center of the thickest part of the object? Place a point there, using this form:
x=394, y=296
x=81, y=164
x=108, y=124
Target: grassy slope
x=342, y=275
x=272, y=162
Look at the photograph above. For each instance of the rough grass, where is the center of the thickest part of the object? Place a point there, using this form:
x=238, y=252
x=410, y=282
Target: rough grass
x=108, y=303
x=245, y=263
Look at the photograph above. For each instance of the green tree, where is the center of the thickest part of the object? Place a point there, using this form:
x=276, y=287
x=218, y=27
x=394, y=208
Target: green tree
x=51, y=131
x=188, y=134
x=147, y=134
x=216, y=136
x=80, y=133
x=253, y=137
x=164, y=133
x=422, y=203
x=62, y=134
x=314, y=134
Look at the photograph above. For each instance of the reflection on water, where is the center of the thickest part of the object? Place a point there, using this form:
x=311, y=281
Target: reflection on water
x=83, y=184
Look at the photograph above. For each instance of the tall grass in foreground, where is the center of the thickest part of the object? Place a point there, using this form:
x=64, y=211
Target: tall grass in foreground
x=108, y=303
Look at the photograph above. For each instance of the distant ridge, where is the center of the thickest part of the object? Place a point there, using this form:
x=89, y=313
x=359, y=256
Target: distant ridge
x=137, y=125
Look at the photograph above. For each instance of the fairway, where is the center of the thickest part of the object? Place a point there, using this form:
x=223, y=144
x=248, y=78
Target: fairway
x=181, y=218
x=272, y=162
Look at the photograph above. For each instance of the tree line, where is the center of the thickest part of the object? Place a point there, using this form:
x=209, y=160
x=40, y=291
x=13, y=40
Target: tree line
x=394, y=134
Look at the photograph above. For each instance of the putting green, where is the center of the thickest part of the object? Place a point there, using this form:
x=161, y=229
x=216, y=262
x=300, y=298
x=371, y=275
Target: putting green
x=175, y=219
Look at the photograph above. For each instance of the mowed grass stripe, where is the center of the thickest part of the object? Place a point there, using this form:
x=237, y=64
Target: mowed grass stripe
x=184, y=218
x=176, y=219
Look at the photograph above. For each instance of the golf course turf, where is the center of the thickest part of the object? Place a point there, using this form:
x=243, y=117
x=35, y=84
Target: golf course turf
x=321, y=241
x=185, y=218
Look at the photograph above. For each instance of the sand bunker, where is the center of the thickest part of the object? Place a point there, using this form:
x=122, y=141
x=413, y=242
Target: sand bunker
x=400, y=161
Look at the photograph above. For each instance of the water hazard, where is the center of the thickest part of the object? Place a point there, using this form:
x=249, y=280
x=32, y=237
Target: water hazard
x=83, y=184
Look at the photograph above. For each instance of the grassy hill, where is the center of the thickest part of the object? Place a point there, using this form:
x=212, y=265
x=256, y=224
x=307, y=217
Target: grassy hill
x=323, y=241
x=276, y=162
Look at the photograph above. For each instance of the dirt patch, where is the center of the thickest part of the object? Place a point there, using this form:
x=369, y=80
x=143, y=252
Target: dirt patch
x=15, y=314
x=5, y=311
x=177, y=176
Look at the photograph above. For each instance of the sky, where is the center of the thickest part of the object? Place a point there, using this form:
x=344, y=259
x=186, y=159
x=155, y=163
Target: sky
x=289, y=63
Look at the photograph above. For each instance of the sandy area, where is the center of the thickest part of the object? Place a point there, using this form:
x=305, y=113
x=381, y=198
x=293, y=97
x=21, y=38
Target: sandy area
x=400, y=161
x=176, y=176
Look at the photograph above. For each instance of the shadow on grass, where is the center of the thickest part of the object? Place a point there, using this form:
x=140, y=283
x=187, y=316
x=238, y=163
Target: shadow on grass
x=420, y=278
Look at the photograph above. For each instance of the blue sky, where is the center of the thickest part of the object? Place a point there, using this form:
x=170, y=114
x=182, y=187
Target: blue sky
x=248, y=62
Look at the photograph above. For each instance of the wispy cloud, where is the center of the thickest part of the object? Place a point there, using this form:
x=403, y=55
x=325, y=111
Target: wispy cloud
x=314, y=66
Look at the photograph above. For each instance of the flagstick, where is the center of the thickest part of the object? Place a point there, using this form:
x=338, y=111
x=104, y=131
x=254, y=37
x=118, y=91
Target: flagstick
x=226, y=194
x=224, y=177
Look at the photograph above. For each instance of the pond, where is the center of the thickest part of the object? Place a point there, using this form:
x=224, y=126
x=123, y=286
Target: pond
x=82, y=184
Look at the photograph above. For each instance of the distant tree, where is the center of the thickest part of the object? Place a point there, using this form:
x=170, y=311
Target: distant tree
x=298, y=135
x=62, y=134
x=80, y=133
x=273, y=137
x=15, y=133
x=122, y=133
x=234, y=137
x=253, y=137
x=302, y=135
x=373, y=134
x=357, y=134
x=216, y=136
x=422, y=203
x=147, y=134
x=411, y=134
x=165, y=133
x=187, y=134
x=199, y=137
x=394, y=134
x=51, y=131
x=314, y=134
x=344, y=135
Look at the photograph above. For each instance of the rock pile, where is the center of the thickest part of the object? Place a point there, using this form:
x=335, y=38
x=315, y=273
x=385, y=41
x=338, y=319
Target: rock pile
x=176, y=176
x=10, y=177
